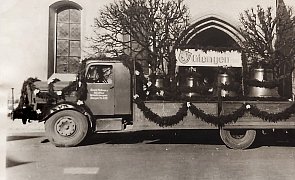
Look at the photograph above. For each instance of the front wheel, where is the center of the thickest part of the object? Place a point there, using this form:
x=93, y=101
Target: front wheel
x=237, y=138
x=66, y=128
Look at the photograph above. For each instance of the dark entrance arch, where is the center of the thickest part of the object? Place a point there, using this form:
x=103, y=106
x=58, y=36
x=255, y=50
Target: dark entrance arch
x=210, y=31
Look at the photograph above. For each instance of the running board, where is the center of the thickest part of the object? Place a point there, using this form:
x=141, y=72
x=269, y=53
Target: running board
x=109, y=124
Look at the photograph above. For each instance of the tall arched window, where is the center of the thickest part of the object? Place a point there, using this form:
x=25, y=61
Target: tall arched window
x=68, y=37
x=64, y=42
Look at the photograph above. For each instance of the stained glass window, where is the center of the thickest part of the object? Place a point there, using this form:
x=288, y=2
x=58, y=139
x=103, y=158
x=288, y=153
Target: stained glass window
x=68, y=40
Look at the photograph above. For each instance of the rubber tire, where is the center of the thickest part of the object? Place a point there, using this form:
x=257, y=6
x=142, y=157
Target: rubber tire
x=79, y=135
x=238, y=143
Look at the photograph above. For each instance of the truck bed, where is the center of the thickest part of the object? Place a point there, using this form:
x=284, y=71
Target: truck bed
x=248, y=121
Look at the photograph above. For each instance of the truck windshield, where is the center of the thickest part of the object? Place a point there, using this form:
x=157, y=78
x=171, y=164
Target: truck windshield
x=100, y=74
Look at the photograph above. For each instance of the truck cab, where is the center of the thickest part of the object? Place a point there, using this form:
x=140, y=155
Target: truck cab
x=109, y=88
x=106, y=85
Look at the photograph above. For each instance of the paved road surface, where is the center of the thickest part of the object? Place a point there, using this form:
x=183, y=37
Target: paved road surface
x=155, y=155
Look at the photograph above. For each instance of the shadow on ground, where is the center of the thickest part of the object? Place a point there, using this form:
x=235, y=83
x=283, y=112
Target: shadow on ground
x=12, y=163
x=206, y=137
x=156, y=137
x=277, y=138
x=15, y=138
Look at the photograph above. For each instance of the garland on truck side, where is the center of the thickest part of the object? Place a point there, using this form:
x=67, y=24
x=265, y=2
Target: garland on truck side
x=162, y=121
x=220, y=120
x=273, y=117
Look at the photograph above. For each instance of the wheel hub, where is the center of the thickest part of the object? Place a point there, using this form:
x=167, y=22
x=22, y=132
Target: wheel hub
x=238, y=134
x=66, y=126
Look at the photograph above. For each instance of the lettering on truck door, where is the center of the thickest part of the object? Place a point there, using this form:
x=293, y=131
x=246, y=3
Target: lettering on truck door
x=100, y=86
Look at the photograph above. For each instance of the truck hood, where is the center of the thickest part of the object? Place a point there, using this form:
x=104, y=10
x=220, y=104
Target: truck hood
x=58, y=86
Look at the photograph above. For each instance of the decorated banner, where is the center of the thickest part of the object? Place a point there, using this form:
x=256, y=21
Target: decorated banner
x=192, y=57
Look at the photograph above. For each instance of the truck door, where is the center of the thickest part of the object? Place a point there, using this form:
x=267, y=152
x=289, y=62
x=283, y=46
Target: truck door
x=100, y=86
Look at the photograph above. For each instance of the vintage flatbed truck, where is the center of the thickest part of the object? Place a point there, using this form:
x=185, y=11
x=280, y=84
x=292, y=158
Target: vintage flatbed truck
x=72, y=110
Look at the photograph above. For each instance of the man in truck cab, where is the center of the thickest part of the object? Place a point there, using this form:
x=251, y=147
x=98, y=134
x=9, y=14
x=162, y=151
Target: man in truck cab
x=99, y=74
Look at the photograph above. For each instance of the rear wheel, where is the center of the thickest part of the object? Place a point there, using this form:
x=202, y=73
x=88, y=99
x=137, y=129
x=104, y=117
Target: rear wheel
x=66, y=128
x=237, y=138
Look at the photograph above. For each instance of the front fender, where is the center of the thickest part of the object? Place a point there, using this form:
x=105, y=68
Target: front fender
x=68, y=106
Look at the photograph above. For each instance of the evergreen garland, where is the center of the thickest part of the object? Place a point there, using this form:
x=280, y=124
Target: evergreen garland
x=263, y=84
x=73, y=86
x=82, y=89
x=213, y=48
x=24, y=93
x=162, y=121
x=50, y=96
x=236, y=87
x=273, y=117
x=196, y=89
x=217, y=120
x=79, y=86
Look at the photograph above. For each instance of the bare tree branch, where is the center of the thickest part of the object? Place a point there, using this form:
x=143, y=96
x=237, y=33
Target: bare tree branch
x=146, y=28
x=269, y=40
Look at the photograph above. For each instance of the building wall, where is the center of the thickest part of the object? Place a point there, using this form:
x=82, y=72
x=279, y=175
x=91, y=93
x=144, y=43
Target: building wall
x=24, y=33
x=229, y=10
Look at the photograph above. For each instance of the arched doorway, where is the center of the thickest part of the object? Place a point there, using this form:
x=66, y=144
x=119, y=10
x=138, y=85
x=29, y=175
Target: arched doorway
x=212, y=37
x=207, y=26
x=210, y=33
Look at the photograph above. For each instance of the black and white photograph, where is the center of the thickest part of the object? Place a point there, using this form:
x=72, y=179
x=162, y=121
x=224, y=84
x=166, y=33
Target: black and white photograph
x=147, y=90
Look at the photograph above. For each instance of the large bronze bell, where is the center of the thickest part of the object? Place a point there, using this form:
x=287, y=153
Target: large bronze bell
x=225, y=79
x=262, y=75
x=191, y=82
x=188, y=83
